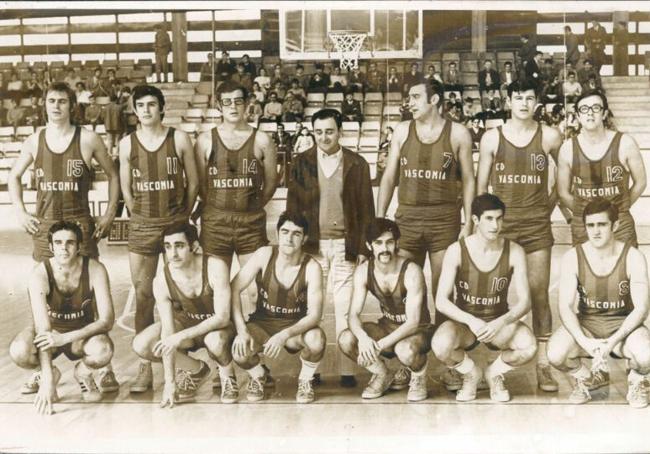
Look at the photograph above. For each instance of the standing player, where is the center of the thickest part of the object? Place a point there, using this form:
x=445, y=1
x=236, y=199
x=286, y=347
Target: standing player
x=515, y=160
x=190, y=318
x=431, y=158
x=72, y=313
x=156, y=164
x=289, y=308
x=62, y=154
x=610, y=280
x=599, y=163
x=405, y=328
x=481, y=268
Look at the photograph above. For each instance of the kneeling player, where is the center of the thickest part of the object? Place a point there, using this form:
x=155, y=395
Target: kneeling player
x=190, y=318
x=481, y=267
x=289, y=307
x=405, y=328
x=73, y=313
x=610, y=280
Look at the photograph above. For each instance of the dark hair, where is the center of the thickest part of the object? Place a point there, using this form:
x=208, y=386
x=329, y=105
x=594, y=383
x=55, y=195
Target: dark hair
x=589, y=93
x=295, y=217
x=299, y=66
x=486, y=202
x=507, y=63
x=64, y=88
x=487, y=60
x=452, y=63
x=324, y=114
x=65, y=225
x=433, y=87
x=571, y=73
x=587, y=61
x=378, y=226
x=548, y=60
x=229, y=86
x=538, y=53
x=186, y=228
x=141, y=91
x=600, y=205
x=567, y=28
x=520, y=86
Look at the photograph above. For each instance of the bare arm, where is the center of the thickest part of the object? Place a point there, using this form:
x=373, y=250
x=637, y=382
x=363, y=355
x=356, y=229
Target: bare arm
x=629, y=150
x=462, y=142
x=25, y=159
x=520, y=281
x=38, y=290
x=391, y=173
x=185, y=152
x=202, y=150
x=265, y=150
x=567, y=295
x=487, y=150
x=359, y=294
x=242, y=280
x=565, y=162
x=167, y=329
x=99, y=153
x=125, y=171
x=551, y=142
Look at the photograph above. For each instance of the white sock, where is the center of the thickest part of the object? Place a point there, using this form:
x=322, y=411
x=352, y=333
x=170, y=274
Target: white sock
x=420, y=372
x=226, y=371
x=256, y=372
x=634, y=376
x=499, y=367
x=378, y=367
x=308, y=369
x=580, y=373
x=541, y=352
x=83, y=369
x=465, y=366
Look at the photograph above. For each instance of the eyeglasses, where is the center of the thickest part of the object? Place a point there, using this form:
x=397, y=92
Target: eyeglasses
x=596, y=108
x=229, y=101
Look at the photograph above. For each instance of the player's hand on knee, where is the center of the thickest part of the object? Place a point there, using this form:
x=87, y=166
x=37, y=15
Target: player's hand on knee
x=275, y=344
x=243, y=344
x=49, y=339
x=477, y=326
x=168, y=345
x=28, y=222
x=368, y=351
x=594, y=347
x=168, y=395
x=45, y=397
x=490, y=330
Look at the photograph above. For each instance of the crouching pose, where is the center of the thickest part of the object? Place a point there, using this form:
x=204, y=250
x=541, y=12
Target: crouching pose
x=289, y=307
x=405, y=328
x=191, y=318
x=481, y=267
x=72, y=311
x=610, y=280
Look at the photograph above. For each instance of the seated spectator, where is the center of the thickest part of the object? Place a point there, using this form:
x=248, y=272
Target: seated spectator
x=303, y=141
x=130, y=119
x=387, y=136
x=94, y=82
x=476, y=131
x=242, y=77
x=272, y=109
x=452, y=78
x=351, y=109
x=492, y=106
x=488, y=78
x=263, y=80
x=277, y=76
x=15, y=86
x=338, y=81
x=113, y=121
x=34, y=87
x=405, y=111
x=541, y=116
x=534, y=69
x=3, y=87
x=3, y=119
x=225, y=67
x=551, y=91
x=253, y=109
x=83, y=95
x=357, y=80
x=15, y=113
x=592, y=83
x=453, y=97
x=454, y=111
x=292, y=108
x=72, y=79
x=472, y=107
x=413, y=77
x=297, y=91
x=93, y=112
x=506, y=77
x=548, y=70
x=557, y=115
x=259, y=92
x=394, y=80
x=376, y=79
x=432, y=74
x=34, y=113
x=207, y=68
x=108, y=84
x=571, y=88
x=301, y=77
x=249, y=66
x=585, y=72
x=566, y=69
x=319, y=81
x=282, y=141
x=280, y=89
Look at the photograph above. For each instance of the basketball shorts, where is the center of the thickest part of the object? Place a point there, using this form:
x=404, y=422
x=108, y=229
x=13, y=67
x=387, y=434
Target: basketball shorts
x=427, y=229
x=145, y=234
x=270, y=326
x=528, y=229
x=626, y=230
x=384, y=327
x=602, y=327
x=223, y=233
x=67, y=348
x=42, y=246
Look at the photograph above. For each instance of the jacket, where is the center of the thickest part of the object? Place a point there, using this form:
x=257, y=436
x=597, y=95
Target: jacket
x=303, y=195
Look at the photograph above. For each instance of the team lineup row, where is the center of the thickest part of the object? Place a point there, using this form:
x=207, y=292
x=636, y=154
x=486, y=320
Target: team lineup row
x=233, y=169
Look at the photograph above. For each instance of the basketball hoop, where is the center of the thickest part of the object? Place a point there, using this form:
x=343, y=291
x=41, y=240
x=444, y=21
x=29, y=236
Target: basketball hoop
x=348, y=44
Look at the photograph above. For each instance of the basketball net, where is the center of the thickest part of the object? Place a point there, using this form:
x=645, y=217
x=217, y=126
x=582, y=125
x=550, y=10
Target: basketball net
x=348, y=45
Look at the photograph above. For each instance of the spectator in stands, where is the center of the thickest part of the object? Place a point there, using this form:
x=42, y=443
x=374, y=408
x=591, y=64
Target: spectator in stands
x=207, y=68
x=162, y=46
x=404, y=110
x=357, y=80
x=280, y=89
x=506, y=77
x=282, y=141
x=394, y=81
x=15, y=113
x=292, y=108
x=488, y=78
x=242, y=77
x=272, y=109
x=3, y=119
x=565, y=70
x=557, y=115
x=277, y=75
x=351, y=108
x=552, y=91
x=548, y=70
x=585, y=72
x=249, y=66
x=263, y=80
x=259, y=93
x=303, y=79
x=453, y=111
x=382, y=155
x=592, y=83
x=526, y=52
x=297, y=91
x=386, y=138
x=95, y=82
x=338, y=81
x=376, y=79
x=34, y=113
x=304, y=141
x=15, y=86
x=108, y=84
x=413, y=77
x=595, y=38
x=130, y=118
x=471, y=107
x=118, y=89
x=492, y=106
x=476, y=131
x=225, y=67
x=82, y=94
x=540, y=115
x=72, y=79
x=253, y=109
x=572, y=51
x=620, y=56
x=571, y=88
x=451, y=78
x=3, y=86
x=113, y=121
x=93, y=112
x=534, y=69
x=319, y=81
x=34, y=87
x=433, y=74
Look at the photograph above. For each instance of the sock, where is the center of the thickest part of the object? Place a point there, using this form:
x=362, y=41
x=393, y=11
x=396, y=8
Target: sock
x=226, y=371
x=581, y=372
x=541, y=352
x=107, y=368
x=82, y=369
x=465, y=366
x=197, y=368
x=420, y=372
x=256, y=372
x=635, y=377
x=378, y=367
x=307, y=370
x=499, y=367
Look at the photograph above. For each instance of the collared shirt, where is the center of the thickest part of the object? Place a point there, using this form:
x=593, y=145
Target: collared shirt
x=329, y=163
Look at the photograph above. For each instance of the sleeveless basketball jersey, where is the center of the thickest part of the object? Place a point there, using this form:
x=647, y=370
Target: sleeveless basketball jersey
x=73, y=311
x=519, y=175
x=393, y=304
x=604, y=295
x=235, y=177
x=191, y=311
x=62, y=180
x=483, y=294
x=429, y=173
x=606, y=177
x=274, y=301
x=157, y=179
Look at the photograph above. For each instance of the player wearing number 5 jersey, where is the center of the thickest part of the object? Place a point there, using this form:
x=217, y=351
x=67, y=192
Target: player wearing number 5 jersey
x=516, y=160
x=600, y=163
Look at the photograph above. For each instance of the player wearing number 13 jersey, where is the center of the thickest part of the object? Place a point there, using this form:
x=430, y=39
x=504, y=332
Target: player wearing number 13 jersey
x=517, y=161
